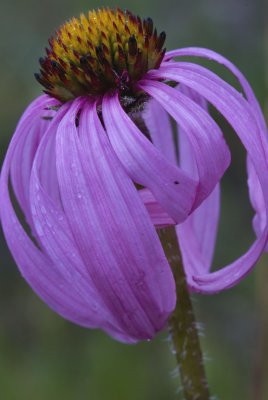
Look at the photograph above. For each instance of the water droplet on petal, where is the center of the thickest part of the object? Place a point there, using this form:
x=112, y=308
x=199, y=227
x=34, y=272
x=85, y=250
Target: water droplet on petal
x=43, y=210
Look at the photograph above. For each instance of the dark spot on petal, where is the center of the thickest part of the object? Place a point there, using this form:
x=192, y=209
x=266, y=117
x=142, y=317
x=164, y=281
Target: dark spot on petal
x=77, y=119
x=176, y=182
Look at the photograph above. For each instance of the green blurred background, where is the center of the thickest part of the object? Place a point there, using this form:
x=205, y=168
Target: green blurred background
x=44, y=357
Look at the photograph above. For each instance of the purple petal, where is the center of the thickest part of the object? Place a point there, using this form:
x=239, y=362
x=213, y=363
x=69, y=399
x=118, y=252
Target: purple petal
x=212, y=55
x=209, y=148
x=185, y=150
x=37, y=268
x=111, y=227
x=157, y=214
x=159, y=126
x=260, y=217
x=257, y=200
x=28, y=137
x=47, y=169
x=197, y=235
x=54, y=235
x=241, y=116
x=145, y=164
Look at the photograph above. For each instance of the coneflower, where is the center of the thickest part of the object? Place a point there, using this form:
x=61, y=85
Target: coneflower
x=94, y=167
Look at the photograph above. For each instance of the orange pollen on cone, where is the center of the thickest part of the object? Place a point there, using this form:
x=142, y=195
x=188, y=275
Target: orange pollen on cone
x=106, y=49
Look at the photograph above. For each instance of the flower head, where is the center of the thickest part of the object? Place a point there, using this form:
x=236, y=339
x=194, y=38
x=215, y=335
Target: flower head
x=105, y=49
x=94, y=168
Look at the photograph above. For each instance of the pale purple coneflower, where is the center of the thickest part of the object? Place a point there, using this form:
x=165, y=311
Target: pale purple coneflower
x=94, y=168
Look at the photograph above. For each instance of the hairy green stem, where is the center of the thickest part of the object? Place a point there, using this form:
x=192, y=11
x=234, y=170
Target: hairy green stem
x=183, y=327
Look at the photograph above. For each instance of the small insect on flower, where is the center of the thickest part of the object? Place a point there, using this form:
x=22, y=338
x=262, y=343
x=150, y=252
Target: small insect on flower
x=93, y=165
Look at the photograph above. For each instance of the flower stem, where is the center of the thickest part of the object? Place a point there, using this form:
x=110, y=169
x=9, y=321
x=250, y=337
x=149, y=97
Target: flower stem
x=183, y=327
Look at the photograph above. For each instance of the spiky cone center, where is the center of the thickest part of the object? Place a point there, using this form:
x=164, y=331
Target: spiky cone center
x=106, y=49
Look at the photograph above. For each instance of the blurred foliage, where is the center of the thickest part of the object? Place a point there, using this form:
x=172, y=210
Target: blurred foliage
x=43, y=356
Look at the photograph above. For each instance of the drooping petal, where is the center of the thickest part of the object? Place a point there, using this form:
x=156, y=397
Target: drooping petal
x=111, y=227
x=257, y=200
x=145, y=164
x=255, y=194
x=27, y=143
x=37, y=269
x=242, y=118
x=54, y=235
x=208, y=85
x=159, y=126
x=158, y=215
x=212, y=55
x=209, y=148
x=197, y=235
x=47, y=170
x=21, y=165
